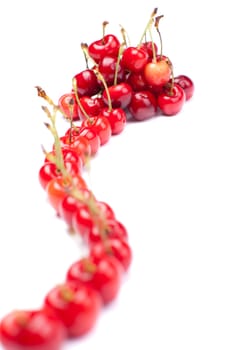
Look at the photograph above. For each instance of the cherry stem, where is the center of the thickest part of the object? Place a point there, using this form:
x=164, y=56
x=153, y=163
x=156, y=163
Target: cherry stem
x=75, y=88
x=154, y=59
x=66, y=293
x=100, y=77
x=121, y=48
x=124, y=35
x=104, y=25
x=149, y=23
x=157, y=20
x=42, y=93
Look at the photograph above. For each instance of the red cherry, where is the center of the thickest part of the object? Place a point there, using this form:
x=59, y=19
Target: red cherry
x=78, y=144
x=35, y=329
x=171, y=100
x=134, y=59
x=89, y=134
x=137, y=81
x=148, y=47
x=114, y=229
x=103, y=274
x=77, y=307
x=87, y=83
x=48, y=171
x=58, y=187
x=69, y=205
x=120, y=95
x=187, y=85
x=107, y=46
x=116, y=247
x=107, y=67
x=117, y=119
x=69, y=107
x=143, y=105
x=92, y=106
x=101, y=127
x=157, y=73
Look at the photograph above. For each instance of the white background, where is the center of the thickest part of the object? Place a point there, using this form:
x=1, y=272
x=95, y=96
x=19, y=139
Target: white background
x=169, y=180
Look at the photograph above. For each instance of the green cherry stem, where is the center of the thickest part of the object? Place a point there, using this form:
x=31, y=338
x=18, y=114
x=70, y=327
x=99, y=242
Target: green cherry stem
x=121, y=48
x=149, y=23
x=75, y=88
x=157, y=20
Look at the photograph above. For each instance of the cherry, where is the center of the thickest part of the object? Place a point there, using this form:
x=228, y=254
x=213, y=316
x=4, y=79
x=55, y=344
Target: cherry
x=137, y=81
x=68, y=106
x=107, y=67
x=113, y=229
x=116, y=247
x=92, y=106
x=89, y=134
x=77, y=306
x=36, y=329
x=104, y=274
x=143, y=105
x=101, y=127
x=49, y=170
x=107, y=46
x=120, y=95
x=150, y=47
x=157, y=73
x=86, y=82
x=134, y=59
x=117, y=119
x=171, y=100
x=187, y=85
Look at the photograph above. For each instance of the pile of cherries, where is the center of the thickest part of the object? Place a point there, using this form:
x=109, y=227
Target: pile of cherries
x=123, y=82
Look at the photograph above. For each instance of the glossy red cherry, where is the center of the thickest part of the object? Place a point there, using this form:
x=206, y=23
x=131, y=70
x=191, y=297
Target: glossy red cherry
x=187, y=85
x=35, y=329
x=68, y=106
x=103, y=274
x=143, y=105
x=107, y=67
x=49, y=170
x=77, y=306
x=157, y=73
x=171, y=100
x=117, y=119
x=116, y=247
x=89, y=134
x=137, y=81
x=120, y=95
x=113, y=229
x=86, y=82
x=101, y=127
x=148, y=46
x=107, y=46
x=92, y=106
x=134, y=59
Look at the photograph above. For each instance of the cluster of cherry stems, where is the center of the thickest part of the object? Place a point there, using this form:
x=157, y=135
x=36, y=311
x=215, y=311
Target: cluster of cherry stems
x=124, y=82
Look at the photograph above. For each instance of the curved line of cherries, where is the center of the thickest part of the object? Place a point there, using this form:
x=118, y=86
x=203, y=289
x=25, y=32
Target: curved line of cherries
x=124, y=82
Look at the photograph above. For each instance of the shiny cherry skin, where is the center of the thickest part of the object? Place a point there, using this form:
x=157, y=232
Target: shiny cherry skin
x=35, y=329
x=120, y=95
x=137, y=81
x=113, y=229
x=143, y=105
x=116, y=247
x=148, y=47
x=107, y=67
x=134, y=59
x=107, y=46
x=68, y=106
x=79, y=144
x=89, y=134
x=101, y=127
x=92, y=106
x=77, y=306
x=117, y=119
x=87, y=83
x=49, y=170
x=171, y=101
x=104, y=274
x=187, y=85
x=157, y=73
